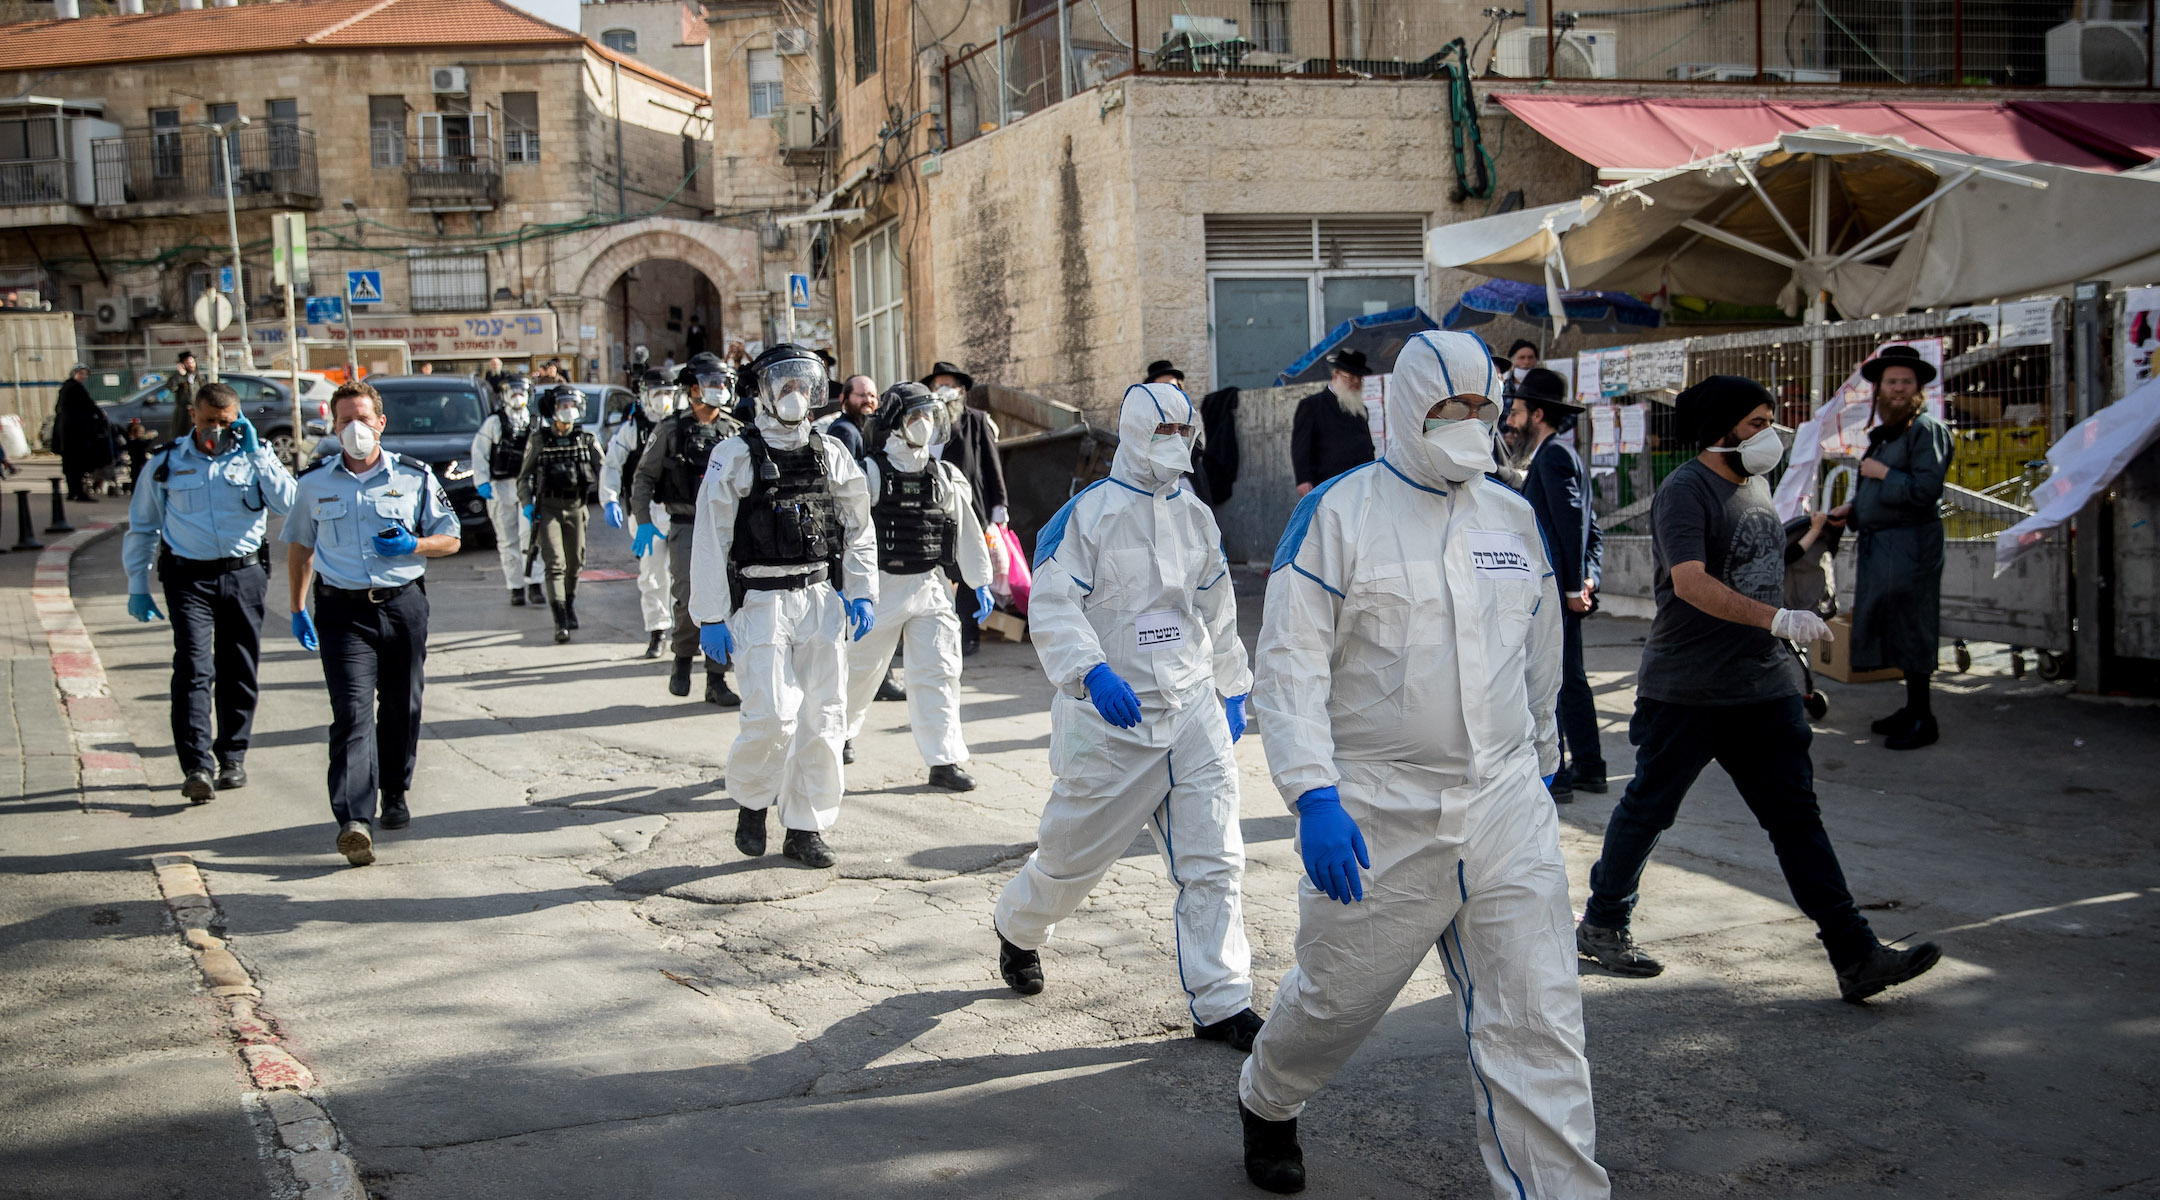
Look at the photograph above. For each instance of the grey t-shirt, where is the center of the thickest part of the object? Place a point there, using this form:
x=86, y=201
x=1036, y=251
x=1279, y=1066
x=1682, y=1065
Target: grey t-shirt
x=1692, y=657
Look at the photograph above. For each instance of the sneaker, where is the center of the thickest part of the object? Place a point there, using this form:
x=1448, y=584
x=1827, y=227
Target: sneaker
x=1885, y=968
x=1920, y=733
x=950, y=777
x=718, y=692
x=890, y=689
x=1615, y=951
x=1893, y=723
x=231, y=776
x=807, y=846
x=197, y=787
x=847, y=752
x=750, y=831
x=678, y=683
x=1273, y=1160
x=517, y=597
x=356, y=844
x=394, y=813
x=652, y=647
x=1238, y=1029
x=1022, y=969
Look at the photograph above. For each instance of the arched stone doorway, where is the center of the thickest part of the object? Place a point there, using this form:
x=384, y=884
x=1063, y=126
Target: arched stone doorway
x=593, y=321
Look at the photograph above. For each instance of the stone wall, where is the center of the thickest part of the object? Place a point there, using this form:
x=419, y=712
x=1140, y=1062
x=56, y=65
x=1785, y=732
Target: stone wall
x=660, y=26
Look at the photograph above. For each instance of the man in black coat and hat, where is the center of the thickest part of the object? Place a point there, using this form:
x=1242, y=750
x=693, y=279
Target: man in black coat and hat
x=1331, y=432
x=1897, y=592
x=81, y=433
x=1163, y=371
x=1558, y=487
x=972, y=448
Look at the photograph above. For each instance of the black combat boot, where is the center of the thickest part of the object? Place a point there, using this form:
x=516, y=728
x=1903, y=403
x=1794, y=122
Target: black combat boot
x=517, y=597
x=678, y=684
x=569, y=608
x=562, y=631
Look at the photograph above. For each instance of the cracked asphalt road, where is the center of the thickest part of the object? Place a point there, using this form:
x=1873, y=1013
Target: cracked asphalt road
x=563, y=981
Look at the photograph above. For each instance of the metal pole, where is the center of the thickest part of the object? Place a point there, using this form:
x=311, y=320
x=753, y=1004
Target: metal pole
x=232, y=227
x=621, y=206
x=292, y=363
x=2088, y=315
x=1064, y=20
x=1136, y=35
x=352, y=355
x=1957, y=43
x=1758, y=42
x=1003, y=120
x=1331, y=68
x=1818, y=249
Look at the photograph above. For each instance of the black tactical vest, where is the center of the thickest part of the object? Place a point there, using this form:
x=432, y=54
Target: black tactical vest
x=509, y=452
x=914, y=532
x=644, y=439
x=789, y=519
x=567, y=466
x=688, y=456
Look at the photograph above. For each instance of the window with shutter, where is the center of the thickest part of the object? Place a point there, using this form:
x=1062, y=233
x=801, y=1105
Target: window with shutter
x=521, y=127
x=386, y=131
x=450, y=283
x=1280, y=283
x=765, y=98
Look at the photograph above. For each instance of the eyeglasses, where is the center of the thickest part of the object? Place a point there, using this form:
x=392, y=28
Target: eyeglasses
x=1171, y=427
x=1462, y=408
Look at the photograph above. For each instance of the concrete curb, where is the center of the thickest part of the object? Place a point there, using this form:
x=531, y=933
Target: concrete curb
x=307, y=1139
x=104, y=749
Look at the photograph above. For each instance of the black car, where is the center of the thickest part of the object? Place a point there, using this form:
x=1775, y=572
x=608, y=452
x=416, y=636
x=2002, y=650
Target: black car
x=433, y=418
x=266, y=402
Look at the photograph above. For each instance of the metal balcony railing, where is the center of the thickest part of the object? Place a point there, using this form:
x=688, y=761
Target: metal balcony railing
x=454, y=173
x=40, y=181
x=262, y=164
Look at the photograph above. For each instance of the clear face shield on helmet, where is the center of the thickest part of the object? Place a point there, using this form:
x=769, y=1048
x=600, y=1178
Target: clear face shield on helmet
x=658, y=402
x=517, y=398
x=790, y=388
x=924, y=423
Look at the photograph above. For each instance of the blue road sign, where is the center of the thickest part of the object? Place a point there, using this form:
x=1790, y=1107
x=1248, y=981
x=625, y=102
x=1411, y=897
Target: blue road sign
x=363, y=287
x=798, y=291
x=224, y=279
x=325, y=310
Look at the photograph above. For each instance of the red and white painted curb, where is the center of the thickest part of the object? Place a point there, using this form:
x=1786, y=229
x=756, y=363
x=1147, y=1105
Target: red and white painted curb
x=104, y=750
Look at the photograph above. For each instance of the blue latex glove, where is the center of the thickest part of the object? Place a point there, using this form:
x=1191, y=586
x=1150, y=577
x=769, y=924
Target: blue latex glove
x=715, y=640
x=862, y=615
x=1234, y=709
x=613, y=513
x=140, y=607
x=984, y=605
x=1113, y=697
x=398, y=545
x=303, y=627
x=250, y=441
x=1549, y=779
x=528, y=512
x=642, y=544
x=486, y=490
x=1332, y=846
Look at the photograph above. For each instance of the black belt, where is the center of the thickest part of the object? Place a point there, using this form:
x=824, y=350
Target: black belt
x=781, y=583
x=374, y=595
x=174, y=564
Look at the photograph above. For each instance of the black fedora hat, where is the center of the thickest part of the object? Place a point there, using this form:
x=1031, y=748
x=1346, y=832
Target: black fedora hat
x=1898, y=356
x=1544, y=387
x=1160, y=367
x=1350, y=362
x=941, y=367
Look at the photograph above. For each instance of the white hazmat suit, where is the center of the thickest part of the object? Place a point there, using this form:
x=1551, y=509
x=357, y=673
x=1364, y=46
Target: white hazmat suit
x=789, y=662
x=921, y=607
x=654, y=581
x=1131, y=573
x=513, y=530
x=1410, y=657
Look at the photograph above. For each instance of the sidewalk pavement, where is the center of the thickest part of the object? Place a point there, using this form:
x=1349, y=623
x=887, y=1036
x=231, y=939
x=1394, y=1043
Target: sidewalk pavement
x=562, y=980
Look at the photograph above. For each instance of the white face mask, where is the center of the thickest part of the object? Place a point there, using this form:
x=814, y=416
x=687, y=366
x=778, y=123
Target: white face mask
x=1759, y=455
x=358, y=438
x=790, y=408
x=516, y=400
x=568, y=414
x=1459, y=450
x=916, y=433
x=1170, y=453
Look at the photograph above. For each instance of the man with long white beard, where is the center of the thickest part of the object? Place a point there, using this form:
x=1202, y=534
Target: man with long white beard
x=1332, y=432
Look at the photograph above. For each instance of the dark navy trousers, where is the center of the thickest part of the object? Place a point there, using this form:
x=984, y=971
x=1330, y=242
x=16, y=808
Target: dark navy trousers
x=217, y=642
x=374, y=657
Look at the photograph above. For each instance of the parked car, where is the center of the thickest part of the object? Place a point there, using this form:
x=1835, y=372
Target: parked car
x=264, y=399
x=607, y=406
x=433, y=418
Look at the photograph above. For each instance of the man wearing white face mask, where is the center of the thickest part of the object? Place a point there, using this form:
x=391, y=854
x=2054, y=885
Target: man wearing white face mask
x=928, y=540
x=782, y=559
x=1134, y=620
x=656, y=399
x=1718, y=683
x=1408, y=663
x=498, y=448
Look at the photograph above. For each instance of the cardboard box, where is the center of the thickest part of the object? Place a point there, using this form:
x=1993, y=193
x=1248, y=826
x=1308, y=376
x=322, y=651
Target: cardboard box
x=1005, y=626
x=1828, y=660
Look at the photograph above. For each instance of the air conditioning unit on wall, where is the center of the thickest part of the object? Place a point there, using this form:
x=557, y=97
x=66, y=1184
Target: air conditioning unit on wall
x=2096, y=54
x=791, y=40
x=797, y=125
x=1581, y=53
x=448, y=81
x=112, y=314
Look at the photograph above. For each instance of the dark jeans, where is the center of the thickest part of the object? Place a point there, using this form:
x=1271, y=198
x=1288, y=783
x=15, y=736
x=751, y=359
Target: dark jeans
x=217, y=640
x=1764, y=748
x=374, y=659
x=1585, y=759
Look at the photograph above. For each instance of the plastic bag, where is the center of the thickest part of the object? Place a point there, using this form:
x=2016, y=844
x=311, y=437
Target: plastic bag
x=1023, y=580
x=1000, y=564
x=11, y=437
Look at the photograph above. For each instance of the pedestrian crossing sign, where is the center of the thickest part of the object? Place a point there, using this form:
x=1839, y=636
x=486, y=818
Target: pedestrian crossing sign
x=798, y=291
x=364, y=287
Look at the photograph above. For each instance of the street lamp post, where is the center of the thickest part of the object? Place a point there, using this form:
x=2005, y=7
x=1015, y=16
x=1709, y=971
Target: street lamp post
x=224, y=129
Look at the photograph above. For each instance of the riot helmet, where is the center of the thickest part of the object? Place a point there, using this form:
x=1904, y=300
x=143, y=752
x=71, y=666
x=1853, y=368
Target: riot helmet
x=791, y=381
x=912, y=411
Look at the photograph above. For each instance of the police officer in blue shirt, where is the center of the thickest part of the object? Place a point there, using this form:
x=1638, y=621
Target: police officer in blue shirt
x=200, y=514
x=363, y=525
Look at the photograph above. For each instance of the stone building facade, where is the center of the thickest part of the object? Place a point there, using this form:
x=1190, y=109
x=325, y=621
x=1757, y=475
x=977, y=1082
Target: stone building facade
x=668, y=35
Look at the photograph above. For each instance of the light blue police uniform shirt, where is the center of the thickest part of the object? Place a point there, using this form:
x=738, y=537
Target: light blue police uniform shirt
x=205, y=508
x=338, y=514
